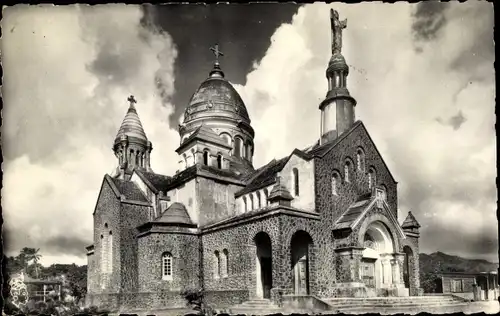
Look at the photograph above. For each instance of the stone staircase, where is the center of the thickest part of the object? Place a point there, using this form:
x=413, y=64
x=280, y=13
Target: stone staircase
x=396, y=304
x=255, y=307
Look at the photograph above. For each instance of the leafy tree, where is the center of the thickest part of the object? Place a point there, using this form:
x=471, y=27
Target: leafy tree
x=31, y=255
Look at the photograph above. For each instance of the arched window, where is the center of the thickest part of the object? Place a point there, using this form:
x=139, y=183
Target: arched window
x=238, y=144
x=347, y=174
x=266, y=193
x=251, y=202
x=259, y=201
x=249, y=151
x=245, y=204
x=205, y=157
x=216, y=264
x=166, y=265
x=360, y=159
x=372, y=178
x=226, y=138
x=244, y=151
x=224, y=263
x=219, y=161
x=296, y=181
x=335, y=181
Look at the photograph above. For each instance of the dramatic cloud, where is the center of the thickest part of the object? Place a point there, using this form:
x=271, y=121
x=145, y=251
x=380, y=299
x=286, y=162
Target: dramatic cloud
x=446, y=172
x=422, y=74
x=69, y=71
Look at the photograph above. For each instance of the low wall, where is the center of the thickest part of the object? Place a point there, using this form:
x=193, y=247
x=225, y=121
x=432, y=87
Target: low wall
x=126, y=302
x=224, y=299
x=304, y=302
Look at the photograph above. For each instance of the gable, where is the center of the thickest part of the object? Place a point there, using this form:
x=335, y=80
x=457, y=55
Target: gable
x=107, y=191
x=361, y=138
x=357, y=212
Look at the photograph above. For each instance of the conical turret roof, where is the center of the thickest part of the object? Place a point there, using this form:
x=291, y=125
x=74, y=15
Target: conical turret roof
x=131, y=125
x=410, y=222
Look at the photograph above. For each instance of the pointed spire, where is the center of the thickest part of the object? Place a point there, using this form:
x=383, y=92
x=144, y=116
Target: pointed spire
x=410, y=222
x=131, y=125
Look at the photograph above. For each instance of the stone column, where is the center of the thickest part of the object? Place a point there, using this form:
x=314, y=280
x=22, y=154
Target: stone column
x=251, y=271
x=386, y=272
x=396, y=275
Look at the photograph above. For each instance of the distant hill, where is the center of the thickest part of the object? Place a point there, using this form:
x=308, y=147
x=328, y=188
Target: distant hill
x=441, y=262
x=435, y=263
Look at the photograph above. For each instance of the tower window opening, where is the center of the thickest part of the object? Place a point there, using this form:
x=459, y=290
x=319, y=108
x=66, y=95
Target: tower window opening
x=219, y=161
x=205, y=158
x=238, y=144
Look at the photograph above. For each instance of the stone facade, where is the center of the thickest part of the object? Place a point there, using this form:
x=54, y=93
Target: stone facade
x=321, y=221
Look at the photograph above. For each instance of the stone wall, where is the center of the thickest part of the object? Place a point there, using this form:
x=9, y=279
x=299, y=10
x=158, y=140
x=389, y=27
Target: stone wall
x=92, y=284
x=185, y=194
x=131, y=216
x=127, y=302
x=332, y=206
x=185, y=264
x=215, y=200
x=414, y=264
x=107, y=212
x=305, y=199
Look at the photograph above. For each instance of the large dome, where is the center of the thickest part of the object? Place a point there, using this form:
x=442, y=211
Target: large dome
x=216, y=97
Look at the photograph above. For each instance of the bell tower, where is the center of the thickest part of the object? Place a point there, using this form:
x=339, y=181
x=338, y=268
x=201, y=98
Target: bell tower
x=131, y=147
x=337, y=110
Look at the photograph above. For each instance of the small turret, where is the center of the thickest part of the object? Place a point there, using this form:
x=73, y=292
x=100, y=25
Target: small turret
x=411, y=226
x=131, y=146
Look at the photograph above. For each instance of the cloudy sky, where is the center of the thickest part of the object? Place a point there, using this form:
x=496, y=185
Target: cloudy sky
x=422, y=74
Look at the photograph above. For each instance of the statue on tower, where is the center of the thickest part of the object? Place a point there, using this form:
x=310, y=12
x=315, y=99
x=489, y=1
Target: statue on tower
x=337, y=27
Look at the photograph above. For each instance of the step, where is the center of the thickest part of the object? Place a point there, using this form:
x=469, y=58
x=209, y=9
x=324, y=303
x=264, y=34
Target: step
x=398, y=309
x=395, y=304
x=398, y=305
x=389, y=301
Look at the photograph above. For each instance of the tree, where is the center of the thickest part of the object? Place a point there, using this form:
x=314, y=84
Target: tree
x=31, y=254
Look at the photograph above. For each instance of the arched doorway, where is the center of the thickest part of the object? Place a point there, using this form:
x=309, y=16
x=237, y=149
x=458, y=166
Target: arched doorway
x=408, y=262
x=264, y=267
x=300, y=246
x=376, y=267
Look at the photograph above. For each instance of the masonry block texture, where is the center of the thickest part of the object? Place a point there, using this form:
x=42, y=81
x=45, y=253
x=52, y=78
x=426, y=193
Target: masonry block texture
x=334, y=260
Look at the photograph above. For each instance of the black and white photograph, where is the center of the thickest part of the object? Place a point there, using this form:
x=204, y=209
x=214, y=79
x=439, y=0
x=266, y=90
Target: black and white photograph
x=252, y=158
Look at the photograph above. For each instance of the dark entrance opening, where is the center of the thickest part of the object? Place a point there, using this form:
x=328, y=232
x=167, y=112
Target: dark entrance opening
x=264, y=265
x=301, y=246
x=408, y=261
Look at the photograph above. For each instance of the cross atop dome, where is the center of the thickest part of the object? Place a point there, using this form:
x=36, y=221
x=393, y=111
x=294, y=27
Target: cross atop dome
x=217, y=53
x=216, y=71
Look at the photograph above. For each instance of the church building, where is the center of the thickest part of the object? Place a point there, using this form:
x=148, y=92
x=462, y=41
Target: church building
x=320, y=222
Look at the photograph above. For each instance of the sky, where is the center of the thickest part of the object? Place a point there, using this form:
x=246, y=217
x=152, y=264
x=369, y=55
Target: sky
x=422, y=75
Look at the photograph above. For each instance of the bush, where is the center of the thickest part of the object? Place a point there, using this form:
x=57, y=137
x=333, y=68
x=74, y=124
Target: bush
x=11, y=309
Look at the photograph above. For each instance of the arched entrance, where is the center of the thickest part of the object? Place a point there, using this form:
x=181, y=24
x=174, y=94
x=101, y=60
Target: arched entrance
x=408, y=262
x=376, y=264
x=263, y=265
x=300, y=246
